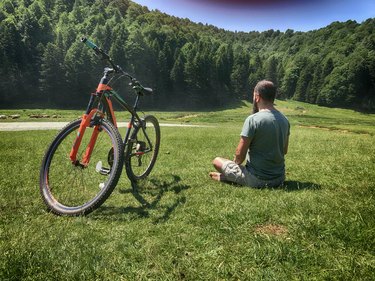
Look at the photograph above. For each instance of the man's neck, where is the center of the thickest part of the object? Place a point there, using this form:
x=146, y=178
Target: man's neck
x=268, y=106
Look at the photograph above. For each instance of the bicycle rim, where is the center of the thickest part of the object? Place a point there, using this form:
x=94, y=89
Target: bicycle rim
x=69, y=189
x=142, y=149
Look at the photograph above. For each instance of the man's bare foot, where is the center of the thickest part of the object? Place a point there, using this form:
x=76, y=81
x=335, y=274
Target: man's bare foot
x=216, y=176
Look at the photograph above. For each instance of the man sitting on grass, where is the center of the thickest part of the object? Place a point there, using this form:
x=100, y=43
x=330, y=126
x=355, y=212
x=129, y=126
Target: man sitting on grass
x=264, y=138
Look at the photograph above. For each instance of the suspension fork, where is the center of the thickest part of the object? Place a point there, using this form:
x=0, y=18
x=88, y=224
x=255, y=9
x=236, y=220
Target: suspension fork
x=91, y=111
x=86, y=120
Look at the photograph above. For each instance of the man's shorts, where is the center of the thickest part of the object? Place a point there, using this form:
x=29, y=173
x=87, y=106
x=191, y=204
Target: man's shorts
x=239, y=174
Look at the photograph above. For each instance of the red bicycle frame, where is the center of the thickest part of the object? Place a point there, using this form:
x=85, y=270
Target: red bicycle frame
x=93, y=113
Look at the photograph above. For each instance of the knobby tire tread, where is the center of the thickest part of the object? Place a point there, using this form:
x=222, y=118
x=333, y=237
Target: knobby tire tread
x=129, y=171
x=108, y=188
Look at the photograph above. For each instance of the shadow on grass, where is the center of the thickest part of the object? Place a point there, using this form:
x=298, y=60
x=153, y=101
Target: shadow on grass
x=297, y=185
x=149, y=194
x=288, y=186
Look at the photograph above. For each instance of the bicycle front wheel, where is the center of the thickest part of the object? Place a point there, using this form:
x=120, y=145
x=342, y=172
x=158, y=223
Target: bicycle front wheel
x=142, y=149
x=72, y=189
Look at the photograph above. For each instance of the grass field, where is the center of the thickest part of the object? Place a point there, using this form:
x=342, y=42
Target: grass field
x=183, y=226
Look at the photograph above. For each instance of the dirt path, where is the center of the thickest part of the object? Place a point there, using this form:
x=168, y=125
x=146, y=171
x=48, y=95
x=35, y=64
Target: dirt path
x=32, y=126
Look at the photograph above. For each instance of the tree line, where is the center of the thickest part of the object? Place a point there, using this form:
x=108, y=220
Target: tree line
x=43, y=62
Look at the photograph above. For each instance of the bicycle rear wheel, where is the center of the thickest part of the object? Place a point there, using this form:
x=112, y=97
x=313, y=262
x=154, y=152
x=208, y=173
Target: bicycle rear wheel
x=142, y=149
x=73, y=189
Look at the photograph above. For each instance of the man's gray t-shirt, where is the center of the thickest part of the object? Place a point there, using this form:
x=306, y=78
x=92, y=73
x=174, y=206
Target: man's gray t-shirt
x=269, y=131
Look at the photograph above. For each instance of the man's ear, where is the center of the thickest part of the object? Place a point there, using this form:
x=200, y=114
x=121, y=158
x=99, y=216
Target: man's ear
x=257, y=98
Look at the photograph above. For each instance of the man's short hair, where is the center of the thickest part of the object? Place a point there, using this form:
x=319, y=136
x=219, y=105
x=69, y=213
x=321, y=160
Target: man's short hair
x=266, y=89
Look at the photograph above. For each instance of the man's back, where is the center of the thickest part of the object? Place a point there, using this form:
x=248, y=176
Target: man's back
x=264, y=141
x=269, y=131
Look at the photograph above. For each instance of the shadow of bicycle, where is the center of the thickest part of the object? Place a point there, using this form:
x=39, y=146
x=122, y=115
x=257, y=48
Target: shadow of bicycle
x=149, y=193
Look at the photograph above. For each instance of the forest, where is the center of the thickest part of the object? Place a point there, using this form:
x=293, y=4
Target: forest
x=189, y=65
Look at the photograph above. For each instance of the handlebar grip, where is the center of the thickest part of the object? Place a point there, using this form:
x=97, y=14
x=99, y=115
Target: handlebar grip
x=89, y=43
x=147, y=91
x=103, y=54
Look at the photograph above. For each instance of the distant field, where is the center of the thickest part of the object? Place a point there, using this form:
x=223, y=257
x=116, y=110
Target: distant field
x=301, y=114
x=183, y=226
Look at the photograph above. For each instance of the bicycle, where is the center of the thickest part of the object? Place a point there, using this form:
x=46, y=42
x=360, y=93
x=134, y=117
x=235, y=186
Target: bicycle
x=84, y=162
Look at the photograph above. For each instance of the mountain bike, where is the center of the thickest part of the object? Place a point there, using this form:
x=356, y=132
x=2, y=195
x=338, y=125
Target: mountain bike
x=83, y=164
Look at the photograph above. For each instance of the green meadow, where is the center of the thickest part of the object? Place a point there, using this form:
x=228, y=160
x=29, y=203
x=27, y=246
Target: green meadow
x=180, y=225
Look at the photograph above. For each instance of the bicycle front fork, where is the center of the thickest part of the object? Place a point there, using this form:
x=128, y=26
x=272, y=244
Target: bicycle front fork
x=86, y=120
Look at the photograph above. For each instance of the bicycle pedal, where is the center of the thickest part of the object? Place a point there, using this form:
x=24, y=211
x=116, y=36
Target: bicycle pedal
x=102, y=170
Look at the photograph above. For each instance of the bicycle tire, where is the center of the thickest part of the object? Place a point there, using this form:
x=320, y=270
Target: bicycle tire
x=72, y=190
x=140, y=152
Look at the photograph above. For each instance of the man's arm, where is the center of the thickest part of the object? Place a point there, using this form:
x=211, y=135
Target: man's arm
x=241, y=150
x=286, y=146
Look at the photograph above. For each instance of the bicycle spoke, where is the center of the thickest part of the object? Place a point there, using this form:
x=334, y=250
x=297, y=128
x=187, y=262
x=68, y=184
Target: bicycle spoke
x=74, y=187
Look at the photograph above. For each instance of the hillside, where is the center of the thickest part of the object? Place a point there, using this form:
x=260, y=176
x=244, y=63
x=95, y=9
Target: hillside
x=189, y=65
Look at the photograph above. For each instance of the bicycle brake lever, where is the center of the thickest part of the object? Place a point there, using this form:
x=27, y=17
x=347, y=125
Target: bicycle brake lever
x=109, y=70
x=119, y=69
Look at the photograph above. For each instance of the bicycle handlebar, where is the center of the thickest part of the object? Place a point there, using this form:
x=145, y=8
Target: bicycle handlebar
x=89, y=43
x=99, y=51
x=134, y=83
